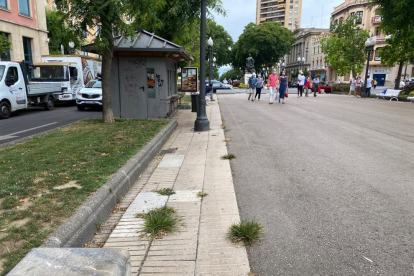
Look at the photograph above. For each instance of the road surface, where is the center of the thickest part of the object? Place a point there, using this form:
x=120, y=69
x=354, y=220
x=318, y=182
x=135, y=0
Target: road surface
x=31, y=121
x=330, y=178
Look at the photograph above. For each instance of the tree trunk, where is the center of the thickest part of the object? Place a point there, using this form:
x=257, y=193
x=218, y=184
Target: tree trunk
x=107, y=114
x=397, y=83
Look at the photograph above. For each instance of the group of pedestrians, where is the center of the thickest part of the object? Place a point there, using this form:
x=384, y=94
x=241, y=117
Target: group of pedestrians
x=305, y=84
x=277, y=85
x=357, y=84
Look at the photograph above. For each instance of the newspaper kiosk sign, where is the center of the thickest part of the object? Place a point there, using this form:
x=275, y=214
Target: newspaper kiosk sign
x=189, y=79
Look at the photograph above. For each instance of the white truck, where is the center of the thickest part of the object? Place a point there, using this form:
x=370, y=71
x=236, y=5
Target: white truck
x=16, y=92
x=72, y=72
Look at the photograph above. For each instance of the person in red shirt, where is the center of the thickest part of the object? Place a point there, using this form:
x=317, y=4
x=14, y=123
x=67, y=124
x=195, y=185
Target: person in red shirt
x=273, y=83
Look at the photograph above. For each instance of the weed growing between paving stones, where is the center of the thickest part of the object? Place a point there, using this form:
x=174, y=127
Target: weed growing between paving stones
x=45, y=179
x=202, y=194
x=160, y=221
x=228, y=156
x=165, y=191
x=247, y=232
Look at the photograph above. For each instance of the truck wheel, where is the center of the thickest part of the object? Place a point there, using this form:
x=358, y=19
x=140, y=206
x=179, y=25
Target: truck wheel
x=50, y=104
x=80, y=108
x=5, y=110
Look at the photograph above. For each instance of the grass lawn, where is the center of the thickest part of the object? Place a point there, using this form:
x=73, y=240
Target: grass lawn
x=186, y=100
x=44, y=180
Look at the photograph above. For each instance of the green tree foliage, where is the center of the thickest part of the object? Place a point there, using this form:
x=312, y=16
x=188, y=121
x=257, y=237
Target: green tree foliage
x=179, y=22
x=120, y=16
x=5, y=44
x=222, y=42
x=267, y=43
x=233, y=74
x=344, y=48
x=60, y=33
x=397, y=21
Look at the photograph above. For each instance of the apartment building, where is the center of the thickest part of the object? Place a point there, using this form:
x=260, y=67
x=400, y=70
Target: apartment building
x=368, y=19
x=286, y=12
x=311, y=57
x=24, y=24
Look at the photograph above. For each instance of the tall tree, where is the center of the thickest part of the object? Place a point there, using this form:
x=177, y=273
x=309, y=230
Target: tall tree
x=267, y=43
x=60, y=33
x=222, y=42
x=122, y=16
x=233, y=74
x=398, y=22
x=5, y=44
x=344, y=48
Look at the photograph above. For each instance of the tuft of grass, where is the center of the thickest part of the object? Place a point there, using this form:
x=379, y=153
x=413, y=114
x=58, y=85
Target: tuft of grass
x=228, y=156
x=247, y=232
x=160, y=221
x=202, y=194
x=9, y=202
x=223, y=125
x=165, y=191
x=227, y=140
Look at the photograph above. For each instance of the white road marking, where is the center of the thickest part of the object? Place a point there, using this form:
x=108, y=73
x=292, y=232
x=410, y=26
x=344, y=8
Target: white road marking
x=369, y=260
x=13, y=135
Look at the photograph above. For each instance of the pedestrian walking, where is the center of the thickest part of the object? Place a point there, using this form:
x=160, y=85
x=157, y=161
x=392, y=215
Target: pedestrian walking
x=283, y=87
x=352, y=83
x=315, y=85
x=307, y=86
x=370, y=81
x=272, y=84
x=259, y=86
x=252, y=86
x=225, y=81
x=358, y=87
x=301, y=83
x=375, y=83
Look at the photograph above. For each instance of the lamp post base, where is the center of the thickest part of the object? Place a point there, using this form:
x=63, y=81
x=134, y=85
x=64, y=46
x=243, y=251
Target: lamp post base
x=202, y=125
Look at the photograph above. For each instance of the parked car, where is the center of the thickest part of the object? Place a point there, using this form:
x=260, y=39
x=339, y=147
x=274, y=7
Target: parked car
x=219, y=85
x=90, y=95
x=323, y=85
x=292, y=84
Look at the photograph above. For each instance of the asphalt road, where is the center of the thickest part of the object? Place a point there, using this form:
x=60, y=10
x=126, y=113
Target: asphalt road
x=330, y=178
x=34, y=120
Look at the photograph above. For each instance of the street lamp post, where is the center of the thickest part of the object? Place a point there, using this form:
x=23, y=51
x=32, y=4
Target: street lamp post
x=202, y=123
x=210, y=49
x=369, y=46
x=301, y=61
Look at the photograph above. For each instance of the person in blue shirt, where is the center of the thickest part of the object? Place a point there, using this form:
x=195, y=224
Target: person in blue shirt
x=209, y=91
x=259, y=86
x=252, y=86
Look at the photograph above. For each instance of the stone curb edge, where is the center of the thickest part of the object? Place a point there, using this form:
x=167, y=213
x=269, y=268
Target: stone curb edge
x=81, y=226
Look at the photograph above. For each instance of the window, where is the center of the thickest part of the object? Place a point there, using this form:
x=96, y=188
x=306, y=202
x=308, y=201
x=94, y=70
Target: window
x=377, y=31
x=359, y=15
x=24, y=7
x=3, y=4
x=377, y=54
x=6, y=56
x=12, y=72
x=98, y=29
x=27, y=47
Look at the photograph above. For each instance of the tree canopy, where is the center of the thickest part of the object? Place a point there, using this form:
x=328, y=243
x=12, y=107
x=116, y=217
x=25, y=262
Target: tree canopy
x=222, y=42
x=344, y=48
x=5, y=44
x=398, y=22
x=267, y=43
x=233, y=74
x=60, y=33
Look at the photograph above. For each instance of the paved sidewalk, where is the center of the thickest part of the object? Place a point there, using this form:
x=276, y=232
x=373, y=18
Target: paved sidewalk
x=191, y=164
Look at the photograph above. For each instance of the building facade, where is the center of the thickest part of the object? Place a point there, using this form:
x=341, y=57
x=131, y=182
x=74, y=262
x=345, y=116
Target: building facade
x=24, y=24
x=311, y=55
x=287, y=12
x=368, y=19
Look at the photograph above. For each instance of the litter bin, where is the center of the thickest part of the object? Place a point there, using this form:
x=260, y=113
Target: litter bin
x=194, y=102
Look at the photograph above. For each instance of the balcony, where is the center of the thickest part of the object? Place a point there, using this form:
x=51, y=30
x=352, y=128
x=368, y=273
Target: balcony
x=376, y=19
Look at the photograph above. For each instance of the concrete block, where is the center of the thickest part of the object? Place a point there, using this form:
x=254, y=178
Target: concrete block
x=74, y=262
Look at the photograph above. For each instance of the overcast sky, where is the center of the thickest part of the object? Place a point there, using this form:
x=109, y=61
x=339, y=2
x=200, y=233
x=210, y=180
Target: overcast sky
x=315, y=13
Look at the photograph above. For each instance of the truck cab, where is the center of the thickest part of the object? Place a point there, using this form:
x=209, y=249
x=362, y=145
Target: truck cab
x=13, y=90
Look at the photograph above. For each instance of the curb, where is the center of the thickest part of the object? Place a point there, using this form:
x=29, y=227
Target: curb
x=81, y=226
